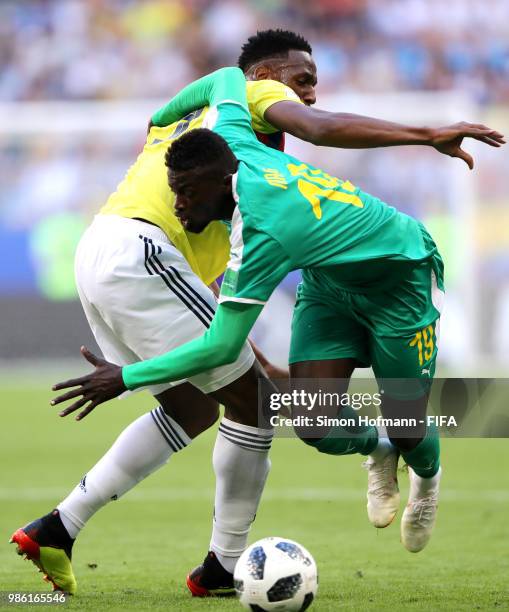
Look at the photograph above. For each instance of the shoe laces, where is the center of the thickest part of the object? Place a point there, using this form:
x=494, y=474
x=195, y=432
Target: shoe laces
x=381, y=476
x=423, y=510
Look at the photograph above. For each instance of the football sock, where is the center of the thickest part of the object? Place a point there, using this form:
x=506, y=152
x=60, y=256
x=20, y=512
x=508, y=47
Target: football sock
x=424, y=459
x=384, y=446
x=348, y=440
x=241, y=464
x=141, y=448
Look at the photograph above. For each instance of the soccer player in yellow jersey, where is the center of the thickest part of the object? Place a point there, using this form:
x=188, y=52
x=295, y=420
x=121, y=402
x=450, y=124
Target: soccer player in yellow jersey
x=142, y=280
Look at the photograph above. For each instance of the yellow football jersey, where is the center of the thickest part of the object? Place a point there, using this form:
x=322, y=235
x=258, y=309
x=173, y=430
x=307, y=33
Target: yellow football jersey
x=144, y=192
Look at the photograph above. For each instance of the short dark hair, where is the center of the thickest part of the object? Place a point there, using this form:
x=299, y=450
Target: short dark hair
x=199, y=147
x=267, y=44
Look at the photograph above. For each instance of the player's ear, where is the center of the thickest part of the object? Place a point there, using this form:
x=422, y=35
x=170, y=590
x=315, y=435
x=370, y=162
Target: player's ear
x=261, y=73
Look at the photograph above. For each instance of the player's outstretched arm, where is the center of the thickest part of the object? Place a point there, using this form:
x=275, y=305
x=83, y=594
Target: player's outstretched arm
x=358, y=132
x=221, y=344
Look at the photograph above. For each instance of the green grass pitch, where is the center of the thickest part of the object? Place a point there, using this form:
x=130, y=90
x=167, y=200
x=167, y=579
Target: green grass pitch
x=143, y=545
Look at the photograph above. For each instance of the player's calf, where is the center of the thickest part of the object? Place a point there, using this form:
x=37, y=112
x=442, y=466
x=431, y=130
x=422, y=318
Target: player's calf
x=47, y=544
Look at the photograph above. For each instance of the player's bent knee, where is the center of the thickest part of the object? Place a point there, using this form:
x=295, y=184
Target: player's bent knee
x=406, y=444
x=194, y=411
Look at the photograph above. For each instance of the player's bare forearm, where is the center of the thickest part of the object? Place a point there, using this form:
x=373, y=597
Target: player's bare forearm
x=344, y=130
x=358, y=132
x=352, y=131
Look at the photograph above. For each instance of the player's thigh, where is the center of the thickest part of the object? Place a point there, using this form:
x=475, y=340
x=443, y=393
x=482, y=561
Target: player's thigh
x=323, y=368
x=405, y=375
x=404, y=325
x=317, y=379
x=112, y=347
x=241, y=397
x=181, y=309
x=323, y=330
x=151, y=299
x=189, y=407
x=327, y=344
x=412, y=354
x=404, y=350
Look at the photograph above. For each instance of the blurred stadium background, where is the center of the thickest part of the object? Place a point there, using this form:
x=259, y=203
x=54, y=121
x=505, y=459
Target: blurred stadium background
x=80, y=78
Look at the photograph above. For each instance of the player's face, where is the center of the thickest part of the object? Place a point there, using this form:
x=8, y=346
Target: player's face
x=201, y=198
x=298, y=72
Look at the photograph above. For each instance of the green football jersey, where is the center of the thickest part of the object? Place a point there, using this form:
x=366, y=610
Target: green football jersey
x=291, y=215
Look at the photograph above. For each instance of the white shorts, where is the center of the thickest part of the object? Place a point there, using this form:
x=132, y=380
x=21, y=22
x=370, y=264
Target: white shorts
x=142, y=299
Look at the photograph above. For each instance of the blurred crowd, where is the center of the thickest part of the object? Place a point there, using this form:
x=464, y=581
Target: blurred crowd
x=104, y=49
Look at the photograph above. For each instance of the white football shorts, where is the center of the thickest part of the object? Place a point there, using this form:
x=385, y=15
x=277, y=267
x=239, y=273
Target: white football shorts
x=142, y=299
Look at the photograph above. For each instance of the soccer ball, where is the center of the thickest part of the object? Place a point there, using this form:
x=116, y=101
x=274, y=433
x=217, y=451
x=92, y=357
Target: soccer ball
x=276, y=574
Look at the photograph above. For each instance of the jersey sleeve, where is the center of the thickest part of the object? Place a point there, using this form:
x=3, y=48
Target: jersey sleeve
x=224, y=91
x=194, y=96
x=258, y=263
x=261, y=95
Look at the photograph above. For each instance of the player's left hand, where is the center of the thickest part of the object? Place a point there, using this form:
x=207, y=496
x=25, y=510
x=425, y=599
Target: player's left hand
x=448, y=140
x=103, y=384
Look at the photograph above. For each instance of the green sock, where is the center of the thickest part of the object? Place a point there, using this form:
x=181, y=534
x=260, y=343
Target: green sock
x=349, y=440
x=424, y=459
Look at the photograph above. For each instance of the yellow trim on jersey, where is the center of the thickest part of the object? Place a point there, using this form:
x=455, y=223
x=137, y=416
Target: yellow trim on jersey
x=144, y=193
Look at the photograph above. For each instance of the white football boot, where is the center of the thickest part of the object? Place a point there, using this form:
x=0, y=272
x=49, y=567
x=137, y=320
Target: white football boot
x=420, y=513
x=383, y=490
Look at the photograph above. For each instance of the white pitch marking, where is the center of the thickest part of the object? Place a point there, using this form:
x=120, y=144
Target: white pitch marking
x=298, y=494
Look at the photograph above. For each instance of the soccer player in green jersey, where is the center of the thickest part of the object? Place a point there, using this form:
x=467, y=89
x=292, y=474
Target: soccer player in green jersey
x=371, y=290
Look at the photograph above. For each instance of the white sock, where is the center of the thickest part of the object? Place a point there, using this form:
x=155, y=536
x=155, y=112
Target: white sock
x=384, y=446
x=424, y=485
x=241, y=464
x=141, y=448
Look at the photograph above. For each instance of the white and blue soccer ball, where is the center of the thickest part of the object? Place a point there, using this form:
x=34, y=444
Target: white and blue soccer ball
x=276, y=574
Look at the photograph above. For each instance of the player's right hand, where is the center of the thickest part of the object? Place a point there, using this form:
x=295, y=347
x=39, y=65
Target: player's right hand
x=103, y=384
x=448, y=140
